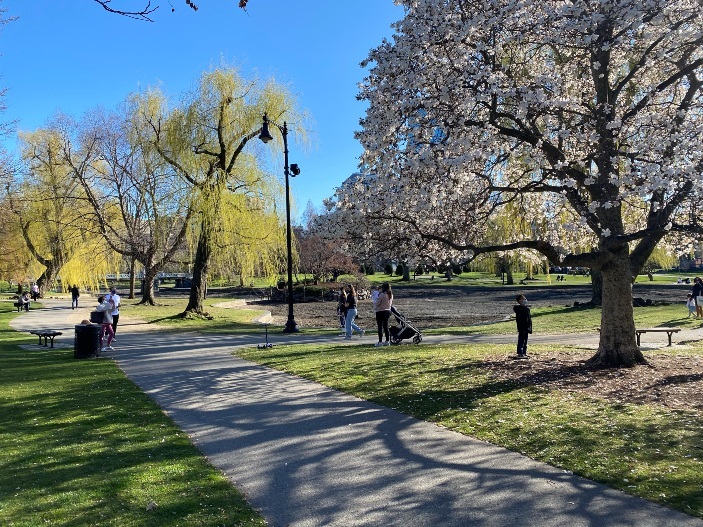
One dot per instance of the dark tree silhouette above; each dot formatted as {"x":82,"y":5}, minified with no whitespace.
{"x":145,"y":13}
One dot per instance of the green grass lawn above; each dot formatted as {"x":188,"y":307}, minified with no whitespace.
{"x":477,"y":279}
{"x":644,"y":450}
{"x":81,"y":445}
{"x":561,"y":319}
{"x":224,"y":320}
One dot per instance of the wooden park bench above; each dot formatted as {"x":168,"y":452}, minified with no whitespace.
{"x":668,"y":331}
{"x":47,"y":335}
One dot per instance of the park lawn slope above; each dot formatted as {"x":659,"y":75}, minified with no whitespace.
{"x":585,"y":319}
{"x":81,"y":445}
{"x":645,"y":450}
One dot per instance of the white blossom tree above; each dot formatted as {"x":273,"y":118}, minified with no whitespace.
{"x":586,"y":111}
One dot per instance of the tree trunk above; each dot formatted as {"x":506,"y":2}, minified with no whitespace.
{"x":132,"y":276}
{"x":201,"y":264}
{"x":47,"y":278}
{"x":148,"y":286}
{"x":596,"y":287}
{"x":618,"y":344}
{"x":406,"y":272}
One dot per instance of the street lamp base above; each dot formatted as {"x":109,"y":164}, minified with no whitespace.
{"x":291,"y":326}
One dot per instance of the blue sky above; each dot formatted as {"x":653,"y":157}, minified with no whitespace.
{"x":71,"y":55}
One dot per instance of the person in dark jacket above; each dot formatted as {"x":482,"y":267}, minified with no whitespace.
{"x":697,"y":294}
{"x":75,"y":293}
{"x":524,"y":325}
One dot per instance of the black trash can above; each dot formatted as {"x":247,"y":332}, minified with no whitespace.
{"x":87,"y":341}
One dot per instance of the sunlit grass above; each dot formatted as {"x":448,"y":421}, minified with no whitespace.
{"x":648,"y":451}
{"x":558,"y":320}
{"x":221,"y":320}
{"x":81,"y":445}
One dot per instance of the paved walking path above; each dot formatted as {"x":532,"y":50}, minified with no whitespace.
{"x":306,"y":455}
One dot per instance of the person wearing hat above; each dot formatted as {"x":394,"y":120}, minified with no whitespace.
{"x":115,"y":298}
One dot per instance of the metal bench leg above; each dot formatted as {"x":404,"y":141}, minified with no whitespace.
{"x":638,"y":338}
{"x":40,"y":340}
{"x":669,"y":333}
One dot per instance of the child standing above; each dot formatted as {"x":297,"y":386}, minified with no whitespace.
{"x":524,"y":325}
{"x":691,"y":303}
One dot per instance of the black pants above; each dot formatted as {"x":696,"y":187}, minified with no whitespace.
{"x":115,"y":319}
{"x":382,"y":318}
{"x":522,"y":342}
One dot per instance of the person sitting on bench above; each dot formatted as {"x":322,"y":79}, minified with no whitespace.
{"x":24,"y":301}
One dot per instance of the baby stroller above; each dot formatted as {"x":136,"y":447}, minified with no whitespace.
{"x":404,"y":330}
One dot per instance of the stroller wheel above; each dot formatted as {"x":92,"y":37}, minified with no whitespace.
{"x":417,"y":339}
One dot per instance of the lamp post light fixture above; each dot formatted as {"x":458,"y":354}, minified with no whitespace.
{"x":293,"y":170}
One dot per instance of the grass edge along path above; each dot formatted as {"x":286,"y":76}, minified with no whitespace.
{"x":643,"y":450}
{"x":81,"y":445}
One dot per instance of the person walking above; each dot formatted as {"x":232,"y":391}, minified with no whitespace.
{"x":115,"y":298}
{"x":35,"y":291}
{"x":342,"y":310}
{"x":524,"y":325}
{"x":697,"y":294}
{"x":350,"y":326}
{"x":383,"y":314}
{"x":106,"y":306}
{"x":75,"y":293}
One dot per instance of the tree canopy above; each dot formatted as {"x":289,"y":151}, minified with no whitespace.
{"x":584,"y":117}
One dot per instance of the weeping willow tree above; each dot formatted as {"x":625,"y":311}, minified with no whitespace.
{"x":207,"y":140}
{"x":55,"y":220}
{"x":250,"y":241}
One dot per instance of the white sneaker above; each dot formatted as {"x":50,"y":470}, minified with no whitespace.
{"x":110,"y":348}
{"x":378,"y":344}
{"x":362,"y":333}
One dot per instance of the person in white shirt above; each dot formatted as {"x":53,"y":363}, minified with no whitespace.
{"x":115,"y":298}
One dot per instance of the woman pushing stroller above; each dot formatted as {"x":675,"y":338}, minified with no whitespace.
{"x":382,"y":307}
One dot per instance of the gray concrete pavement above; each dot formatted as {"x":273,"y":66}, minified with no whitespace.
{"x":306,"y":455}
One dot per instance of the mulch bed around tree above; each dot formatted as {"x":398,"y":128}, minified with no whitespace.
{"x":672,"y":381}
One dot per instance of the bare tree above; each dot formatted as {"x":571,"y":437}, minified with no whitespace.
{"x":148,"y":9}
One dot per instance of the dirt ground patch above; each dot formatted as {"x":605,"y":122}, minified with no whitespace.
{"x":671,"y":381}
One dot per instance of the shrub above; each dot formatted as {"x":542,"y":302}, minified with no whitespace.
{"x":388,"y":269}
{"x":399,"y":270}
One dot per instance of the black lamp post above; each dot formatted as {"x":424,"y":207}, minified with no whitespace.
{"x":293,"y":170}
